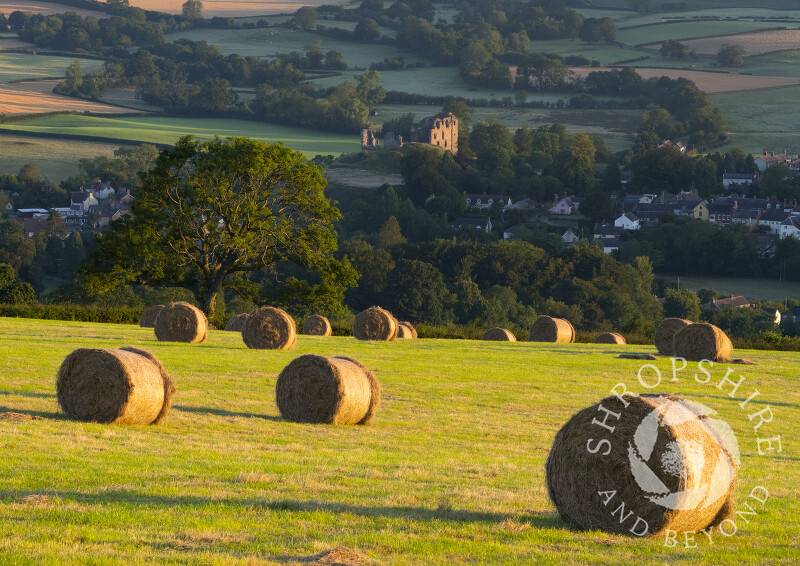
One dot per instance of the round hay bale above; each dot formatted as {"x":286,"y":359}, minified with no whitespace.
{"x":610,"y":338}
{"x":149,"y":316}
{"x":269,"y":328}
{"x":410,"y":327}
{"x":549,"y":329}
{"x":125,"y":386}
{"x":702,"y":341}
{"x":236,"y":322}
{"x":375,"y":323}
{"x":668,"y":461}
{"x":404,"y":331}
{"x":317,"y":325}
{"x":499,"y":334}
{"x":665,"y":334}
{"x":181,"y":322}
{"x":317,"y":389}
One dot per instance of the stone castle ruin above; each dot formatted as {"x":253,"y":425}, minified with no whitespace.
{"x":440,"y":130}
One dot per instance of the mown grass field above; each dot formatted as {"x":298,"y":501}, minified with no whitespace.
{"x":57,"y":159}
{"x":764,"y":289}
{"x":684,"y":30}
{"x":167,"y":130}
{"x":451,"y":472}
{"x":21,"y":66}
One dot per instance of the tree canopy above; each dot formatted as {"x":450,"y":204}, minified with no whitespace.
{"x":211,"y":214}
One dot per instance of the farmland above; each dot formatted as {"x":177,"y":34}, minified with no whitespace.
{"x":167,"y":130}
{"x":57,"y":159}
{"x":45,"y":8}
{"x":22,"y":66}
{"x":765,"y":290}
{"x":753,"y":43}
{"x":452,"y":471}
{"x":37,"y":98}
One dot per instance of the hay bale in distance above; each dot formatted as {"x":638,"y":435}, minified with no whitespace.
{"x":667,"y":461}
{"x":410,"y":328}
{"x":125,"y":386}
{"x":236,"y":322}
{"x":181,"y":322}
{"x":404,"y":331}
{"x":702,"y":341}
{"x":665,"y":334}
{"x":269,"y":328}
{"x":149,"y":316}
{"x":318,"y":389}
{"x":610,"y":338}
{"x":499,"y":334}
{"x":317,"y":325}
{"x":549,"y":329}
{"x":375,"y":323}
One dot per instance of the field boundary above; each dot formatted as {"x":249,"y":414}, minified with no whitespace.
{"x":76,"y":137}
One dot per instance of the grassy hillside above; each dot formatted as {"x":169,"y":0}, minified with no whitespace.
{"x":451,"y":472}
{"x":57,"y":159}
{"x":763,"y":289}
{"x":167,"y":130}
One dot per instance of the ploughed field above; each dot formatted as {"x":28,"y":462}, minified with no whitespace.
{"x":450,"y":472}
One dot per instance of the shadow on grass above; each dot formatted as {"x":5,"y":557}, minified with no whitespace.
{"x":28,"y":394}
{"x":41,"y":414}
{"x":444,"y":513}
{"x":224,"y":413}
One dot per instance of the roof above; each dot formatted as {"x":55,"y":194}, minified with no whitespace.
{"x":606,"y":230}
{"x":743,"y":176}
{"x":750,"y":213}
{"x":612,"y":242}
{"x":775,"y":215}
{"x":485,"y":198}
{"x":78,"y":196}
{"x":630,"y":216}
{"x":720,"y":208}
{"x":738,"y":301}
{"x":481,"y":223}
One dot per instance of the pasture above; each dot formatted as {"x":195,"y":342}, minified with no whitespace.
{"x":649,"y":34}
{"x":45,"y":8}
{"x":268,"y":42}
{"x":25,"y":66}
{"x":450,"y":472}
{"x":763,"y":289}
{"x":166,"y":130}
{"x":57,"y":159}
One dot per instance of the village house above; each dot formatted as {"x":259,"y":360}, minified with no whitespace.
{"x":747,"y":216}
{"x":101,"y":190}
{"x":483,"y":224}
{"x":569,"y":237}
{"x":484,"y":201}
{"x":738,"y":302}
{"x":774,"y":313}
{"x":764,"y":162}
{"x":736,"y":180}
{"x":84,"y":199}
{"x":628,"y":221}
{"x":669,"y":143}
{"x":773,"y":218}
{"x":565,"y":205}
{"x":790,"y":228}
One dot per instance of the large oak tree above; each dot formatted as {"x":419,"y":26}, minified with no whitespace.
{"x":210,"y":214}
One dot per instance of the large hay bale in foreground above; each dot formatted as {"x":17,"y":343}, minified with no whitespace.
{"x":702,"y":341}
{"x":125,"y":386}
{"x":410,"y":328}
{"x":317,"y":389}
{"x":269,"y":328}
{"x":549,"y":329}
{"x":149,"y":316}
{"x":236,"y":322}
{"x":317,"y":325}
{"x":181,"y":322}
{"x":499,"y":334}
{"x":375,"y":323}
{"x":610,"y":338}
{"x":667,"y":461}
{"x":665,"y":334}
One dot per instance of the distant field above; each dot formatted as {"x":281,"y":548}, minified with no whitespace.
{"x":57,"y":159}
{"x":768,"y":16}
{"x":232,"y":8}
{"x":46,"y":8}
{"x":681,"y":30}
{"x":763,"y":289}
{"x":762,"y":119}
{"x":268,"y":42}
{"x":37,"y":98}
{"x":7,"y":43}
{"x":605,"y":53}
{"x":167,"y":130}
{"x":753,"y":43}
{"x":709,"y":82}
{"x":21,"y":66}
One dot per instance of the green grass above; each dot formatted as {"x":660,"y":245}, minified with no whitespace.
{"x":451,"y":472}
{"x":19,"y":66}
{"x":686,"y":30}
{"x":267,"y":42}
{"x":168,"y":130}
{"x":761,"y":120}
{"x":57,"y":159}
{"x":763,"y":289}
{"x":605,"y":53}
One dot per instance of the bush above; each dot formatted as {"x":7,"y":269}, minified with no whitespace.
{"x":67,"y":311}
